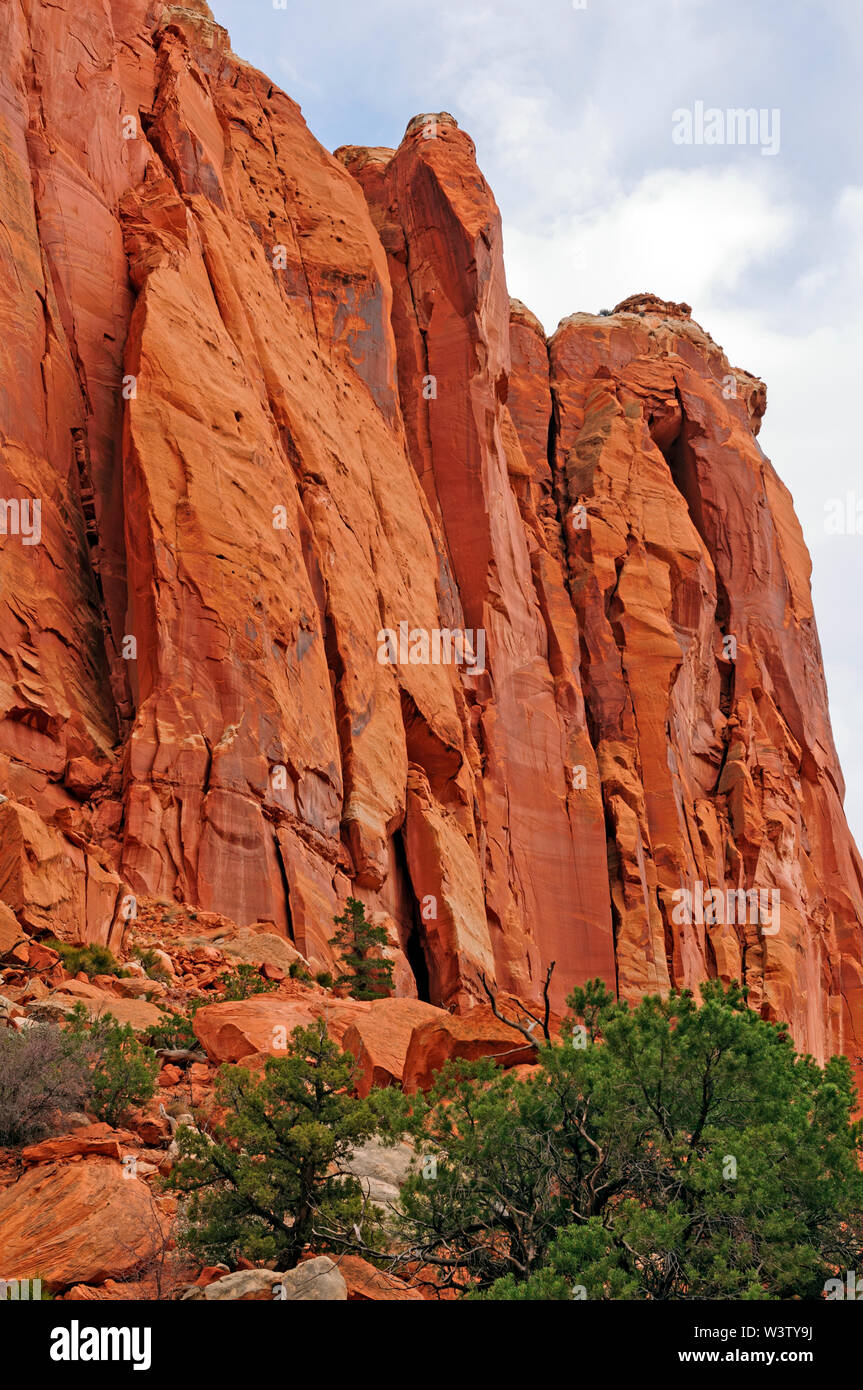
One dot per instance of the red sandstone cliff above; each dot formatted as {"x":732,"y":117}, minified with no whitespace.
{"x":274,"y":402}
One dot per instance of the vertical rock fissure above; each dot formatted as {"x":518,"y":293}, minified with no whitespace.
{"x":557,"y":495}
{"x":283,"y":872}
{"x":415,"y":942}
{"x":117,"y":674}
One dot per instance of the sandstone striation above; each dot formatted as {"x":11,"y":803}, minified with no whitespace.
{"x":80,"y":1222}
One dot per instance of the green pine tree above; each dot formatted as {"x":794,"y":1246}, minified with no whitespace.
{"x":368,"y":976}
{"x":272,"y":1179}
{"x":667,"y":1151}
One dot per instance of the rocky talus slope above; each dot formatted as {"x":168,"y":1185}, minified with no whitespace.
{"x":295,"y":451}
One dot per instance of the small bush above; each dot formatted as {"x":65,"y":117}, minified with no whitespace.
{"x":92,"y":959}
{"x":43,"y":1071}
{"x":247,"y":981}
{"x":178,"y":1032}
{"x":324,"y":978}
{"x":153,"y":967}
{"x":124,"y":1070}
{"x":298,"y":971}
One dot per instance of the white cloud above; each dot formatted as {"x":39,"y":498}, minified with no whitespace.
{"x":681,"y":234}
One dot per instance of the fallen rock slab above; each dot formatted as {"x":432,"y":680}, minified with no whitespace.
{"x":380,"y":1038}
{"x":260,"y":948}
{"x":469,"y":1036}
{"x":233,"y":1030}
{"x":95,"y":1140}
{"x":137,"y":1012}
{"x":369,"y":1285}
{"x":111,"y":1292}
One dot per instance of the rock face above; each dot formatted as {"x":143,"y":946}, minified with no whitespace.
{"x":702,"y":674}
{"x":347,"y":582}
{"x":543,"y":860}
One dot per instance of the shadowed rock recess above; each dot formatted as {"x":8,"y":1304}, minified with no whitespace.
{"x":275,"y":403}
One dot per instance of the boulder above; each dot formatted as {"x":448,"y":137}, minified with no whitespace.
{"x":470,"y":1036}
{"x":366,"y":1284}
{"x":230,"y":1031}
{"x":210,"y":1273}
{"x":78,"y":1223}
{"x":151,"y":1127}
{"x":379,"y":1039}
{"x":381,"y":1169}
{"x":34,"y":955}
{"x":314,"y":1281}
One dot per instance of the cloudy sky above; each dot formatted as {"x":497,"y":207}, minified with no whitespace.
{"x":571,"y":109}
